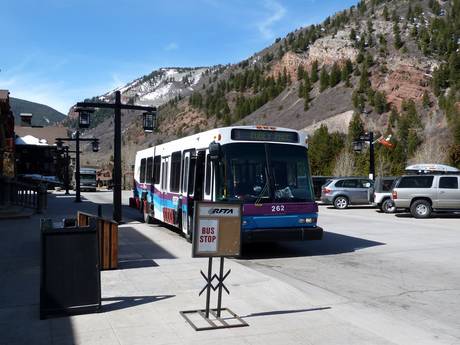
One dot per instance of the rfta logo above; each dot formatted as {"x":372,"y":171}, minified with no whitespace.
{"x":221,"y":211}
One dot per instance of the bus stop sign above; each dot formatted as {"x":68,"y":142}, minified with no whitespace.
{"x":217,"y":230}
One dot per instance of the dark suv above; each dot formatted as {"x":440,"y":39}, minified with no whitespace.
{"x":344,"y":191}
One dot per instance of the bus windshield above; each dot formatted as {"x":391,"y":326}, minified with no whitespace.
{"x":262,"y":173}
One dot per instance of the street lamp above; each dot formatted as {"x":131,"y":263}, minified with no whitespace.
{"x":358,"y":145}
{"x":84,"y":117}
{"x":95,"y":145}
{"x":76,"y":137}
{"x":64,"y":150}
{"x":149,"y":118}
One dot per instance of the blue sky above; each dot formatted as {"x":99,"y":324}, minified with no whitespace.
{"x":58,"y":52}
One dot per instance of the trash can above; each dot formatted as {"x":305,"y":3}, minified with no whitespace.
{"x":108,"y":239}
{"x":70,"y":280}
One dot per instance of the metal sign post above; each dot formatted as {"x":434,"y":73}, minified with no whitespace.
{"x":216,"y":233}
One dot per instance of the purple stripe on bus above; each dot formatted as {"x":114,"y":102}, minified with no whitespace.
{"x":268,"y":209}
{"x":271,"y":209}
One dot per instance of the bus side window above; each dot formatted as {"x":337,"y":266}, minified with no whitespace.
{"x":185,"y":172}
{"x":156,"y":169}
{"x":142,"y":175}
{"x":175,"y":171}
{"x":191,"y":177}
{"x":148,"y":177}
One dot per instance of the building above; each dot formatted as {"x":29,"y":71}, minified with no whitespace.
{"x":6,"y":136}
{"x":36,"y":152}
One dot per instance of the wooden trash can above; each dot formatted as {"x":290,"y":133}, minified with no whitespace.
{"x":108,"y":239}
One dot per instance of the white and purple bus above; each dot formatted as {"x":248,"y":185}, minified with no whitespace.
{"x":264,"y":168}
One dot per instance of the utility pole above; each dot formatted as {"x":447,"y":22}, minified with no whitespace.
{"x":371,"y":156}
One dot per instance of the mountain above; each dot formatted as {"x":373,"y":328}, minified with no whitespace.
{"x":43,"y":115}
{"x":390,"y":66}
{"x":160,"y":86}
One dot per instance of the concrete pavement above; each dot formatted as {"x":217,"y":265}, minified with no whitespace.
{"x":285,"y":300}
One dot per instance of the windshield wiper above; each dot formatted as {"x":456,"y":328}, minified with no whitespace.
{"x":262,"y":192}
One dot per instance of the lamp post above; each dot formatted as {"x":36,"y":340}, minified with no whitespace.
{"x":149,"y":117}
{"x":77,"y":139}
{"x":358,"y":147}
{"x":65,"y":151}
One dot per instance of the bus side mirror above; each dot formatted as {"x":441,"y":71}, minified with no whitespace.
{"x":214,"y":151}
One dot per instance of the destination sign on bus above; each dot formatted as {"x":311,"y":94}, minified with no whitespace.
{"x":264,"y":135}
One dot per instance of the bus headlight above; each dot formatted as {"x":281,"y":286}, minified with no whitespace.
{"x":307,"y":220}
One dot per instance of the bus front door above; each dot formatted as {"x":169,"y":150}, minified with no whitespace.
{"x":194,"y":190}
{"x":188,"y":169}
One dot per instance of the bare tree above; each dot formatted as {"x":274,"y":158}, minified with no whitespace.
{"x":344,"y":164}
{"x":430,"y":151}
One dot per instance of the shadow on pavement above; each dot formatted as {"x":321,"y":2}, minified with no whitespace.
{"x":434,"y":215}
{"x":133,"y":245}
{"x":142,"y":263}
{"x":281,"y":312}
{"x":131,"y":301}
{"x":351,"y":207}
{"x":331,"y":244}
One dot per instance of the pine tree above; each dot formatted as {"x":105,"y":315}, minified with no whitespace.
{"x":300,"y":72}
{"x":314,"y":72}
{"x":356,"y":127}
{"x":323,"y":79}
{"x":334,"y":78}
{"x":380,"y":102}
{"x":352,"y":34}
{"x":393,"y":118}
{"x":398,"y":43}
{"x":426,"y":100}
{"x":385,"y":13}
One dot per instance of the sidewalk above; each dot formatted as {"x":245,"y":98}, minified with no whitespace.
{"x":156,"y":280}
{"x":15,"y":212}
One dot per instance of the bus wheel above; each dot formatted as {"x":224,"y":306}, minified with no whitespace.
{"x":145,"y":212}
{"x":147,"y":218}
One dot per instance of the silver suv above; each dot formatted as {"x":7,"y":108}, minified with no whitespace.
{"x":344,"y":191}
{"x":423,"y":194}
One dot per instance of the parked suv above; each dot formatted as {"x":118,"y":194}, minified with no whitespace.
{"x":345,"y":191}
{"x":381,"y":194}
{"x":423,"y":194}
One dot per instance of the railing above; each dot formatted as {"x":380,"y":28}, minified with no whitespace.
{"x":28,"y":195}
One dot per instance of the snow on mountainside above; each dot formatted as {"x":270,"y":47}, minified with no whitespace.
{"x":160,"y":86}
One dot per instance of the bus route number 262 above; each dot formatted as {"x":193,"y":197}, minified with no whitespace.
{"x":277,"y":208}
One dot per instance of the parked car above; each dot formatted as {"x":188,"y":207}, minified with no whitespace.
{"x":344,"y":191}
{"x":318,"y":182}
{"x":381,"y":193}
{"x":423,"y":194}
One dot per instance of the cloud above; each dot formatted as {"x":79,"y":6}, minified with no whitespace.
{"x":171,"y":46}
{"x":277,"y":12}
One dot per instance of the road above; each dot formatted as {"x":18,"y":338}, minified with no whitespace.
{"x":395,"y":276}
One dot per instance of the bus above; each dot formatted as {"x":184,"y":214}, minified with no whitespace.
{"x":264,"y":168}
